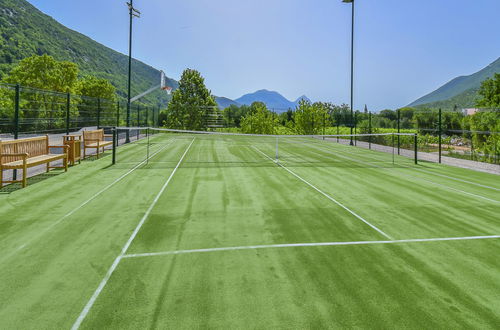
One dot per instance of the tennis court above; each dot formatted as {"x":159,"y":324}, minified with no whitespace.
{"x":220,"y":231}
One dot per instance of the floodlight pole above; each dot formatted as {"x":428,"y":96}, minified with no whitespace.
{"x":352,"y":68}
{"x":133,"y":13}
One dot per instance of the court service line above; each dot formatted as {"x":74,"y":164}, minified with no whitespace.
{"x":45,"y":230}
{"x":292,"y":245}
{"x":338,"y":153}
{"x":327,"y":196}
{"x":124,"y":249}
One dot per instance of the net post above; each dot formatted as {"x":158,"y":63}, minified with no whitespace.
{"x":115,"y":144}
{"x":370,"y":130}
{"x":392,"y":148}
{"x":440,"y":133}
{"x":399,"y":131}
{"x":415,"y":142}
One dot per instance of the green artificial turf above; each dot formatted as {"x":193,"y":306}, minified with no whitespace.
{"x":58,"y":240}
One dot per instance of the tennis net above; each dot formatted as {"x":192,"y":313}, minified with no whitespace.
{"x":159,"y":147}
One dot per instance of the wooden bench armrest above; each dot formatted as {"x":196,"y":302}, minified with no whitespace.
{"x":24,"y":155}
{"x":108,"y":135}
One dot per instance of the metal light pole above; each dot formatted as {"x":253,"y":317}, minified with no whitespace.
{"x":133,"y":13}
{"x":352,"y":67}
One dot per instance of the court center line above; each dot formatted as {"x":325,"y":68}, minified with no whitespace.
{"x":327,"y":196}
{"x":124,"y":249}
{"x":406,"y":175}
{"x":42,"y":232}
{"x":292,"y":245}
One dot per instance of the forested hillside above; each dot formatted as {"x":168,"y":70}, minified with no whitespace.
{"x":26,"y":31}
{"x":461,"y":91}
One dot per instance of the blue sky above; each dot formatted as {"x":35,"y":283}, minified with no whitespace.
{"x":403,"y":48}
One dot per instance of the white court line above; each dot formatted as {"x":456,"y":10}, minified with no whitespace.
{"x":433,"y":173}
{"x":42,"y":232}
{"x":454,"y":178}
{"x":110,"y":271}
{"x":292,"y":245}
{"x":327,"y":196}
{"x":410,"y":176}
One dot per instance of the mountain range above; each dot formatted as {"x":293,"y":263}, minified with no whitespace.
{"x":26,"y":31}
{"x":461,"y":91}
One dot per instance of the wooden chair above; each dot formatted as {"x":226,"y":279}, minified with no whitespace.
{"x":95,"y":140}
{"x":26,"y":153}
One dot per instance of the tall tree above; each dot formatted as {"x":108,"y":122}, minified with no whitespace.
{"x":190,"y":103}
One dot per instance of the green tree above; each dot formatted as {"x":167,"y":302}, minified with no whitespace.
{"x":259,"y":120}
{"x":490,"y":92}
{"x":96,"y":87}
{"x":310,"y":117}
{"x":44,"y":72}
{"x":190,"y":102}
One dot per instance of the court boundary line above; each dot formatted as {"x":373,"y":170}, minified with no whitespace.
{"x":424,"y":170}
{"x":93,"y":197}
{"x":327,"y":196}
{"x":124,"y":249}
{"x":318,"y":244}
{"x":406,"y":175}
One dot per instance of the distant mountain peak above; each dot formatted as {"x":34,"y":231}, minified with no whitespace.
{"x":273,"y":100}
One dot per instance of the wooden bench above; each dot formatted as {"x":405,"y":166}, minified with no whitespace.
{"x":95,"y":140}
{"x":26,"y":153}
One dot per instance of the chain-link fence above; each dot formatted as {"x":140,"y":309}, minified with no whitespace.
{"x":472,"y":134}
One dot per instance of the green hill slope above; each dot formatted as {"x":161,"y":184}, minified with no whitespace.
{"x":26,"y":31}
{"x":463,"y":89}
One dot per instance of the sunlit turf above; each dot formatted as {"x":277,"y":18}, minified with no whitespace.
{"x":60,"y":236}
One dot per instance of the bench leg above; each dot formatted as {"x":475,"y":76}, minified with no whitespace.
{"x":48,"y":167}
{"x":25,"y":174}
{"x":98,"y":152}
{"x":65,"y":163}
{"x":84,"y":152}
{"x":1,"y":178}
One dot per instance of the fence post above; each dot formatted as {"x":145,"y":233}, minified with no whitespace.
{"x":98,"y":113}
{"x":355,"y":128}
{"x":416,"y":148}
{"x":68,"y":106}
{"x":440,"y":133}
{"x":370,"y":130}
{"x":147,"y":117}
{"x":16,"y":120}
{"x":117,"y":113}
{"x":399,"y":130}
{"x":138,"y":116}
